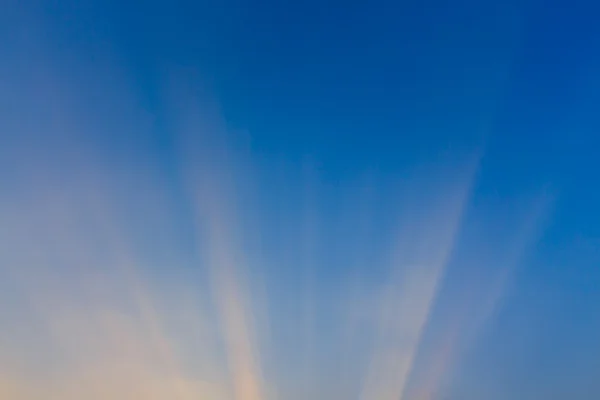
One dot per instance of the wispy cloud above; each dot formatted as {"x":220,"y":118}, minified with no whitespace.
{"x":421,"y":252}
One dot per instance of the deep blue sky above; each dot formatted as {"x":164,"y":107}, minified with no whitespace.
{"x":366,"y":91}
{"x":352,"y":83}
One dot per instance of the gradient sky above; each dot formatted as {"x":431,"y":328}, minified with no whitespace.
{"x":366,"y":200}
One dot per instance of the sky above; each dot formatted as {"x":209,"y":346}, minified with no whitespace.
{"x":268,"y":200}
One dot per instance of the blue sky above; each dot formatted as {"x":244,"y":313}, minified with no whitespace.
{"x":374,"y":200}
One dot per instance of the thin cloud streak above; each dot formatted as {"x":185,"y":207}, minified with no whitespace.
{"x":422,"y":252}
{"x":218,"y":227}
{"x":470,"y":319}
